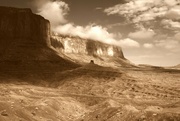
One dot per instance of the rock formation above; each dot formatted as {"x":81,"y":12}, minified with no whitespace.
{"x":84,"y":50}
{"x":84,"y":46}
{"x":24,"y":44}
{"x":21,"y":28}
{"x":23,"y":24}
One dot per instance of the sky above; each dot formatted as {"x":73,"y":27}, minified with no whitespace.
{"x":147,"y":30}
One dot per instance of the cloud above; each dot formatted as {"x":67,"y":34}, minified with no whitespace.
{"x":174,"y":13}
{"x":144,"y":34}
{"x":170,"y":24}
{"x":129,"y":43}
{"x":148,"y":45}
{"x":169,"y":44}
{"x":151,"y":14}
{"x":54,"y":11}
{"x":94,"y":32}
{"x":98,"y":8}
{"x":127,"y":9}
{"x":143,"y":10}
{"x":115,"y":25}
{"x":171,"y":2}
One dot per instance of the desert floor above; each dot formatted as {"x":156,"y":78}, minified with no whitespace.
{"x":94,"y":93}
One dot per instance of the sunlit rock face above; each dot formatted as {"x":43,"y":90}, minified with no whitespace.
{"x":78,"y":45}
{"x":84,"y":50}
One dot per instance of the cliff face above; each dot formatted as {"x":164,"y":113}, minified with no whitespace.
{"x":23,"y":24}
{"x":83,"y":46}
{"x":20,"y":32}
{"x":84,"y":50}
{"x":24,"y":44}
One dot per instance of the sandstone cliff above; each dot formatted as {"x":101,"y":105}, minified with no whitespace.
{"x":21,"y":28}
{"x":24,"y":44}
{"x":84,"y":50}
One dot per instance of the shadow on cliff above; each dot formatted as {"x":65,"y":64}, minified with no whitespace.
{"x":33,"y":69}
{"x":24,"y":47}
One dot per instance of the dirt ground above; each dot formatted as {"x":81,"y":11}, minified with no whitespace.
{"x":94,"y":93}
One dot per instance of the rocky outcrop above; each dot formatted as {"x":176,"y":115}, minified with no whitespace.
{"x":84,"y":50}
{"x":24,"y":44}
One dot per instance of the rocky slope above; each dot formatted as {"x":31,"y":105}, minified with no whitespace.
{"x":83,"y":50}
{"x":95,"y":93}
{"x":30,"y":103}
{"x":24,"y":44}
{"x":114,"y":95}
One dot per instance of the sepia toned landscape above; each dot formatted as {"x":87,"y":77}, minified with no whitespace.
{"x":46,"y":75}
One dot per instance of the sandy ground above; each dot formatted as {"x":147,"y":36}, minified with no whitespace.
{"x":94,"y":93}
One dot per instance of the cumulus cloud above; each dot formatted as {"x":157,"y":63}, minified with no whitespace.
{"x":144,"y":34}
{"x":94,"y":32}
{"x":148,"y":45}
{"x":129,"y":43}
{"x":54,"y":11}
